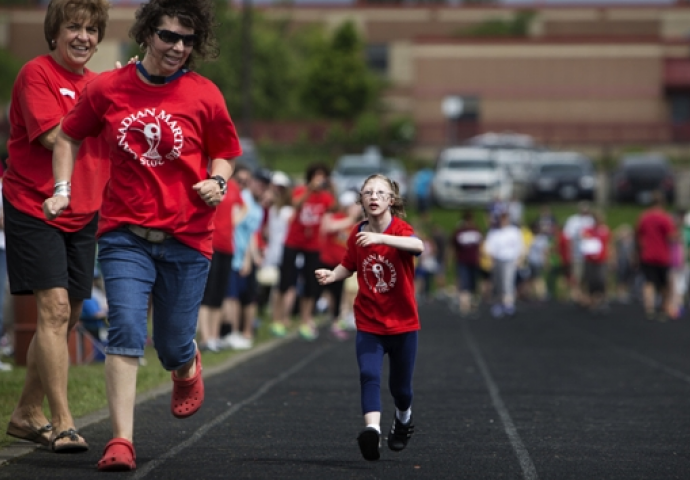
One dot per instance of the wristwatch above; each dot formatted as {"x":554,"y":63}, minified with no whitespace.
{"x":221,"y":183}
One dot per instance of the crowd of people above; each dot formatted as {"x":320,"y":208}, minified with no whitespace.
{"x":498,"y":259}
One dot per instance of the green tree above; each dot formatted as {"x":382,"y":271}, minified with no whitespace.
{"x":518,"y":26}
{"x":338,"y":84}
{"x":9,"y":68}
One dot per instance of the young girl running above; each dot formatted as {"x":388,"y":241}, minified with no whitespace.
{"x":381,"y":250}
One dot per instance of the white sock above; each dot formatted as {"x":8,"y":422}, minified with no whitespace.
{"x":404,"y":417}
{"x":375,"y":427}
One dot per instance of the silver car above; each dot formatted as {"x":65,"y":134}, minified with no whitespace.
{"x":350,"y":171}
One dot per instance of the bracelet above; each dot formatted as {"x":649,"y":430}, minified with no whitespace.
{"x":62,"y":189}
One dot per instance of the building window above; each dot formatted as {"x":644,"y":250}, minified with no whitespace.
{"x":377,"y":58}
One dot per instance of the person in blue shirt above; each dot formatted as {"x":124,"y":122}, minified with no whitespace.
{"x":421,"y":185}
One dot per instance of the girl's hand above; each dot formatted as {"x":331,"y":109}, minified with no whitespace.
{"x":364,"y":239}
{"x":324,"y":276}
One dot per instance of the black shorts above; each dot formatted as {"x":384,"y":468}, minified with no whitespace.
{"x":594,"y":277}
{"x":657,"y":275}
{"x":217,"y":281}
{"x":41,"y":257}
{"x":289,"y":272}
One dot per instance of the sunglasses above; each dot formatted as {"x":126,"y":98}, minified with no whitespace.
{"x":173,"y":37}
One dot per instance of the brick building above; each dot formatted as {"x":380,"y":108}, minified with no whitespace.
{"x":579,"y":74}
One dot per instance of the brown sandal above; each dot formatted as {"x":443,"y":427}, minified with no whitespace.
{"x":31,"y":434}
{"x":74,"y":445}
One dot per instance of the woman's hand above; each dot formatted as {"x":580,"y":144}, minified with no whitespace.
{"x":54,"y":206}
{"x":209,"y":191}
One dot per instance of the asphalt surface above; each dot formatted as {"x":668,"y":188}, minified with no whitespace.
{"x":554,"y":393}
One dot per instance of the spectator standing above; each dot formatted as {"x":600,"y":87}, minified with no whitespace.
{"x":625,"y":253}
{"x":538,"y":262}
{"x":678,"y":272}
{"x":170,"y":162}
{"x":421,"y":185}
{"x":466,"y":241}
{"x":654,"y":232}
{"x":311,"y":202}
{"x":572,"y":229}
{"x":53,"y":259}
{"x":595,"y":246}
{"x":229,"y":212}
{"x":242,"y":287}
{"x":381,"y":249}
{"x":505,"y":247}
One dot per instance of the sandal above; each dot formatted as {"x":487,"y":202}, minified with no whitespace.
{"x":118,"y":456}
{"x":188,"y":393}
{"x":73,"y":446}
{"x":31,"y":434}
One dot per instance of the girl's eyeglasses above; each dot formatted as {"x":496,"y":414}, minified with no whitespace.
{"x":381,"y":195}
{"x":173,"y":37}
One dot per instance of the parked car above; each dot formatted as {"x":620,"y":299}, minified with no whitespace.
{"x":469,"y":176}
{"x":639,"y":175}
{"x":350,"y":171}
{"x":562,"y":176}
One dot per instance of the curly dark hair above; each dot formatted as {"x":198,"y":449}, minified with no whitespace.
{"x":195,"y":14}
{"x":60,"y":11}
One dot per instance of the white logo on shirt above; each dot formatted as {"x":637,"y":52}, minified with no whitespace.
{"x":66,"y":92}
{"x":151,"y":132}
{"x":379,"y":273}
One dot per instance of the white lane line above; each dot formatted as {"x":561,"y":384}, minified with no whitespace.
{"x":529,"y":472}
{"x":201,"y":431}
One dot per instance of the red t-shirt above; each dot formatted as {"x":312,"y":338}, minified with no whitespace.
{"x":467,"y":241}
{"x":595,"y":243}
{"x":43,"y":93}
{"x":334,"y":244}
{"x":161,"y":141}
{"x":304,"y":230}
{"x":385,"y":303}
{"x":223,"y":232}
{"x":654,"y":230}
{"x":564,"y":249}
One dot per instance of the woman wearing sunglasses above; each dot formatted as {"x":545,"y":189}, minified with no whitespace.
{"x":172,"y":145}
{"x":54,"y":259}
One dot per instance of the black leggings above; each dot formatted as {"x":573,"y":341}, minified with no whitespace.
{"x":289,"y":272}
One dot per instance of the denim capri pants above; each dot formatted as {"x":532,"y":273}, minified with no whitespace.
{"x":173,"y":274}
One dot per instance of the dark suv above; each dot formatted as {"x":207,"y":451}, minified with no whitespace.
{"x":639,"y":175}
{"x":561,"y":176}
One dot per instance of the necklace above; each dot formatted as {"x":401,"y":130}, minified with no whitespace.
{"x":160,"y":79}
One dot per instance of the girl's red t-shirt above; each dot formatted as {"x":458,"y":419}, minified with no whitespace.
{"x":161,"y":140}
{"x":305,"y":229}
{"x":385,"y":303}
{"x":224,"y":229}
{"x":43,"y":93}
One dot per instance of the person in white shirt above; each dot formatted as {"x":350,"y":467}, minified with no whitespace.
{"x":505,"y":246}
{"x":573,"y":228}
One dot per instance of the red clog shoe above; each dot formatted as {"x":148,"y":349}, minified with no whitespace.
{"x":188,"y":393}
{"x":118,"y":456}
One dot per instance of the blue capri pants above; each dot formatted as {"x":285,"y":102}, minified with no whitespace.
{"x":402,"y":352}
{"x":175,"y":277}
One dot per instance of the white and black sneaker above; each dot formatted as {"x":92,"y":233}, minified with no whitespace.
{"x":369,"y":441}
{"x":400,"y":434}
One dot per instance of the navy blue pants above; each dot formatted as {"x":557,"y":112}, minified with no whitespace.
{"x":402,"y":352}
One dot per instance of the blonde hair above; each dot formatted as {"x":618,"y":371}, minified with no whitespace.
{"x":398,"y":207}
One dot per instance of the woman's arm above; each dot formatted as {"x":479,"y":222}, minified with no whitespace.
{"x":64,"y":156}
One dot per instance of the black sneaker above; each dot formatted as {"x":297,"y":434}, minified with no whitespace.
{"x":400,"y":434}
{"x":369,"y":440}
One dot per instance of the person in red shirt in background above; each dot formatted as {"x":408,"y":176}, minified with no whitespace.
{"x":170,"y":160}
{"x":335,"y":231}
{"x":595,"y":245}
{"x":228,"y":213}
{"x":311,"y":202}
{"x":467,"y":240}
{"x":53,"y":259}
{"x":654,"y":232}
{"x":381,"y":249}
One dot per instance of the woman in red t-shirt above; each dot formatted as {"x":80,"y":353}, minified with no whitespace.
{"x":311,"y":202}
{"x":52,"y":259}
{"x":381,"y":250}
{"x":171,"y":158}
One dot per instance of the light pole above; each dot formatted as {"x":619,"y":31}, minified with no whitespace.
{"x":452,"y":107}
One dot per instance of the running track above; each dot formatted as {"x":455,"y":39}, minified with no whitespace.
{"x":553,"y":393}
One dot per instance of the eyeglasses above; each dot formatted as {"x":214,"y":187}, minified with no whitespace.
{"x":173,"y":37}
{"x":379,"y":194}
